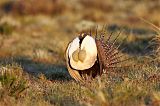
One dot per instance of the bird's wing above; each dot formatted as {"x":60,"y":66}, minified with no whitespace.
{"x":74,"y":73}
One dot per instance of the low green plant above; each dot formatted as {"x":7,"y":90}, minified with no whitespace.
{"x":12,"y":82}
{"x":6,"y":29}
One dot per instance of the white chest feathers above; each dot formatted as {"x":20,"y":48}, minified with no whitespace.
{"x":82,"y":53}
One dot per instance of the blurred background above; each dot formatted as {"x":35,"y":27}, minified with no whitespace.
{"x":40,"y":30}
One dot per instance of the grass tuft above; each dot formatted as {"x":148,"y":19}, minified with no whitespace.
{"x":12,"y":81}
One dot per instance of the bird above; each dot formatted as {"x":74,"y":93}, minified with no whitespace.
{"x":89,"y":56}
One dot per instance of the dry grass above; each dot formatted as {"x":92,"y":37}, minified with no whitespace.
{"x":26,"y":7}
{"x":33,"y":41}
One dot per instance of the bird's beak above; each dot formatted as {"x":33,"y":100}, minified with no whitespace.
{"x":79,"y":55}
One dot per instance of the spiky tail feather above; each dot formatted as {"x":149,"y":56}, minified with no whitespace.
{"x":108,"y":54}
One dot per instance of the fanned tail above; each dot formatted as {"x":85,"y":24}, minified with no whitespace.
{"x":108,"y":52}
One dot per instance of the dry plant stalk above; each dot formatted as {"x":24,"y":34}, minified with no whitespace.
{"x":156,"y":40}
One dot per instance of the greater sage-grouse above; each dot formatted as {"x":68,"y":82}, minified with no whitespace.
{"x":90,"y":56}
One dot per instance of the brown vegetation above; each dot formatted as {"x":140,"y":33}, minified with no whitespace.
{"x":34,"y":35}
